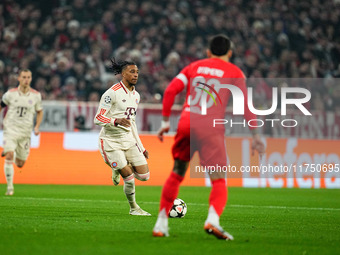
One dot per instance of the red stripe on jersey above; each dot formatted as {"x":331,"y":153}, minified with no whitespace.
{"x":34,"y":91}
{"x":115,"y":87}
{"x":103,"y":119}
{"x":138,"y":148}
{"x":123,"y":87}
{"x":104,"y":153}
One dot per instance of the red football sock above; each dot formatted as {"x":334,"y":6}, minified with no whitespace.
{"x":218,"y":195}
{"x":170,"y":191}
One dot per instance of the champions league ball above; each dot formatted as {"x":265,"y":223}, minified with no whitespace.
{"x":179,"y":209}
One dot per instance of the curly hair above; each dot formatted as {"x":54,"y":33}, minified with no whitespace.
{"x":118,"y":66}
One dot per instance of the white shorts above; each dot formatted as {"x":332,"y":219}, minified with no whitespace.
{"x":20,"y":145}
{"x":118,"y":157}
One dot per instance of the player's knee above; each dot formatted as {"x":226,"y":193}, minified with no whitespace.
{"x":9,"y":155}
{"x":180,"y":167}
{"x":142,"y":177}
{"x":217,"y":175}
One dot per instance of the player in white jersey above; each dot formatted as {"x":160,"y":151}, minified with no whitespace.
{"x":22,"y":104}
{"x":119,"y":142}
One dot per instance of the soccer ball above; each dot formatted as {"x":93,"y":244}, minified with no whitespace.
{"x":179,"y":209}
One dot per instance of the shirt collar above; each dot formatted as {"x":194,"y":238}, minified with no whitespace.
{"x":125,"y":88}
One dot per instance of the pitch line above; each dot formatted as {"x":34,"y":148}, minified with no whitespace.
{"x":193,"y":204}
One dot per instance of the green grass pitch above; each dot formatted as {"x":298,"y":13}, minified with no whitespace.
{"x":52,"y":219}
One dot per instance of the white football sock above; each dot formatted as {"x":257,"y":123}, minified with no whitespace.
{"x":9,"y":173}
{"x":213,"y":217}
{"x":129,"y":190}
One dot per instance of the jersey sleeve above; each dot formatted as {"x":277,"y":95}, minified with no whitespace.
{"x":174,"y":88}
{"x":134,"y":130}
{"x":107,"y":100}
{"x":248,"y":115}
{"x":6,"y":98}
{"x":38,"y":106}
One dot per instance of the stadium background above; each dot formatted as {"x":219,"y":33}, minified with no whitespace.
{"x":68,"y":44}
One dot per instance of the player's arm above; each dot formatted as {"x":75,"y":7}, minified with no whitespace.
{"x":257,"y":144}
{"x":39,"y":119}
{"x":105,"y":104}
{"x":39,"y":116}
{"x":4,"y":101}
{"x":174,"y":88}
{"x":137,"y":138}
{"x":2,"y":105}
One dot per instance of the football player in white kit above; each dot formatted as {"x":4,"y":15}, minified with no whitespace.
{"x":22,"y":104}
{"x":119,"y":142}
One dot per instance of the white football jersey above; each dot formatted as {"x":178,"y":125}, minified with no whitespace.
{"x":21,"y":109}
{"x":116,"y":102}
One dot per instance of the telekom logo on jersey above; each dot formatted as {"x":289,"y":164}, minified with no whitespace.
{"x":238,"y":101}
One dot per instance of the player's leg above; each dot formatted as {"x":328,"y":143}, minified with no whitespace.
{"x":130,"y":191}
{"x":138,"y":162}
{"x":22,"y":151}
{"x":9,"y":172}
{"x":115,"y":177}
{"x":181,"y":154}
{"x":115,"y":158}
{"x":172,"y":184}
{"x":217,"y":202}
{"x":106,"y":149}
{"x":212,"y":153}
{"x":16,"y":151}
{"x":140,"y":170}
{"x":169,"y":194}
{"x":10,"y":145}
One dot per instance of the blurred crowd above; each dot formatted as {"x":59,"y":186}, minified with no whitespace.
{"x":68,"y":44}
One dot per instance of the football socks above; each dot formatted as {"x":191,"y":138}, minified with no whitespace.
{"x":170,"y":191}
{"x":129,"y":190}
{"x":142,"y":177}
{"x":9,"y":173}
{"x":218,"y":195}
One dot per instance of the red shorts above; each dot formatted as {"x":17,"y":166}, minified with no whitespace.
{"x":210,"y":145}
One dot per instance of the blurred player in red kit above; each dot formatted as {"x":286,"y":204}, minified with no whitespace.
{"x":195,"y":134}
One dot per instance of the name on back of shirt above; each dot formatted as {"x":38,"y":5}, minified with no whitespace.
{"x":210,"y":71}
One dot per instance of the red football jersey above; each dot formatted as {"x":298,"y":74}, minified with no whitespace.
{"x":201,"y":77}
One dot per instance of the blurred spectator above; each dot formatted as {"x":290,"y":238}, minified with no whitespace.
{"x":79,"y":124}
{"x":67,"y":44}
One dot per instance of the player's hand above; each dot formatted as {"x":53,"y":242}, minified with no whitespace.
{"x":161,"y":132}
{"x":257,"y":145}
{"x":36,"y":131}
{"x":146,"y":154}
{"x":123,"y":122}
{"x":165,"y":127}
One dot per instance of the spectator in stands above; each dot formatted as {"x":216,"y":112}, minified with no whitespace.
{"x":275,"y":39}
